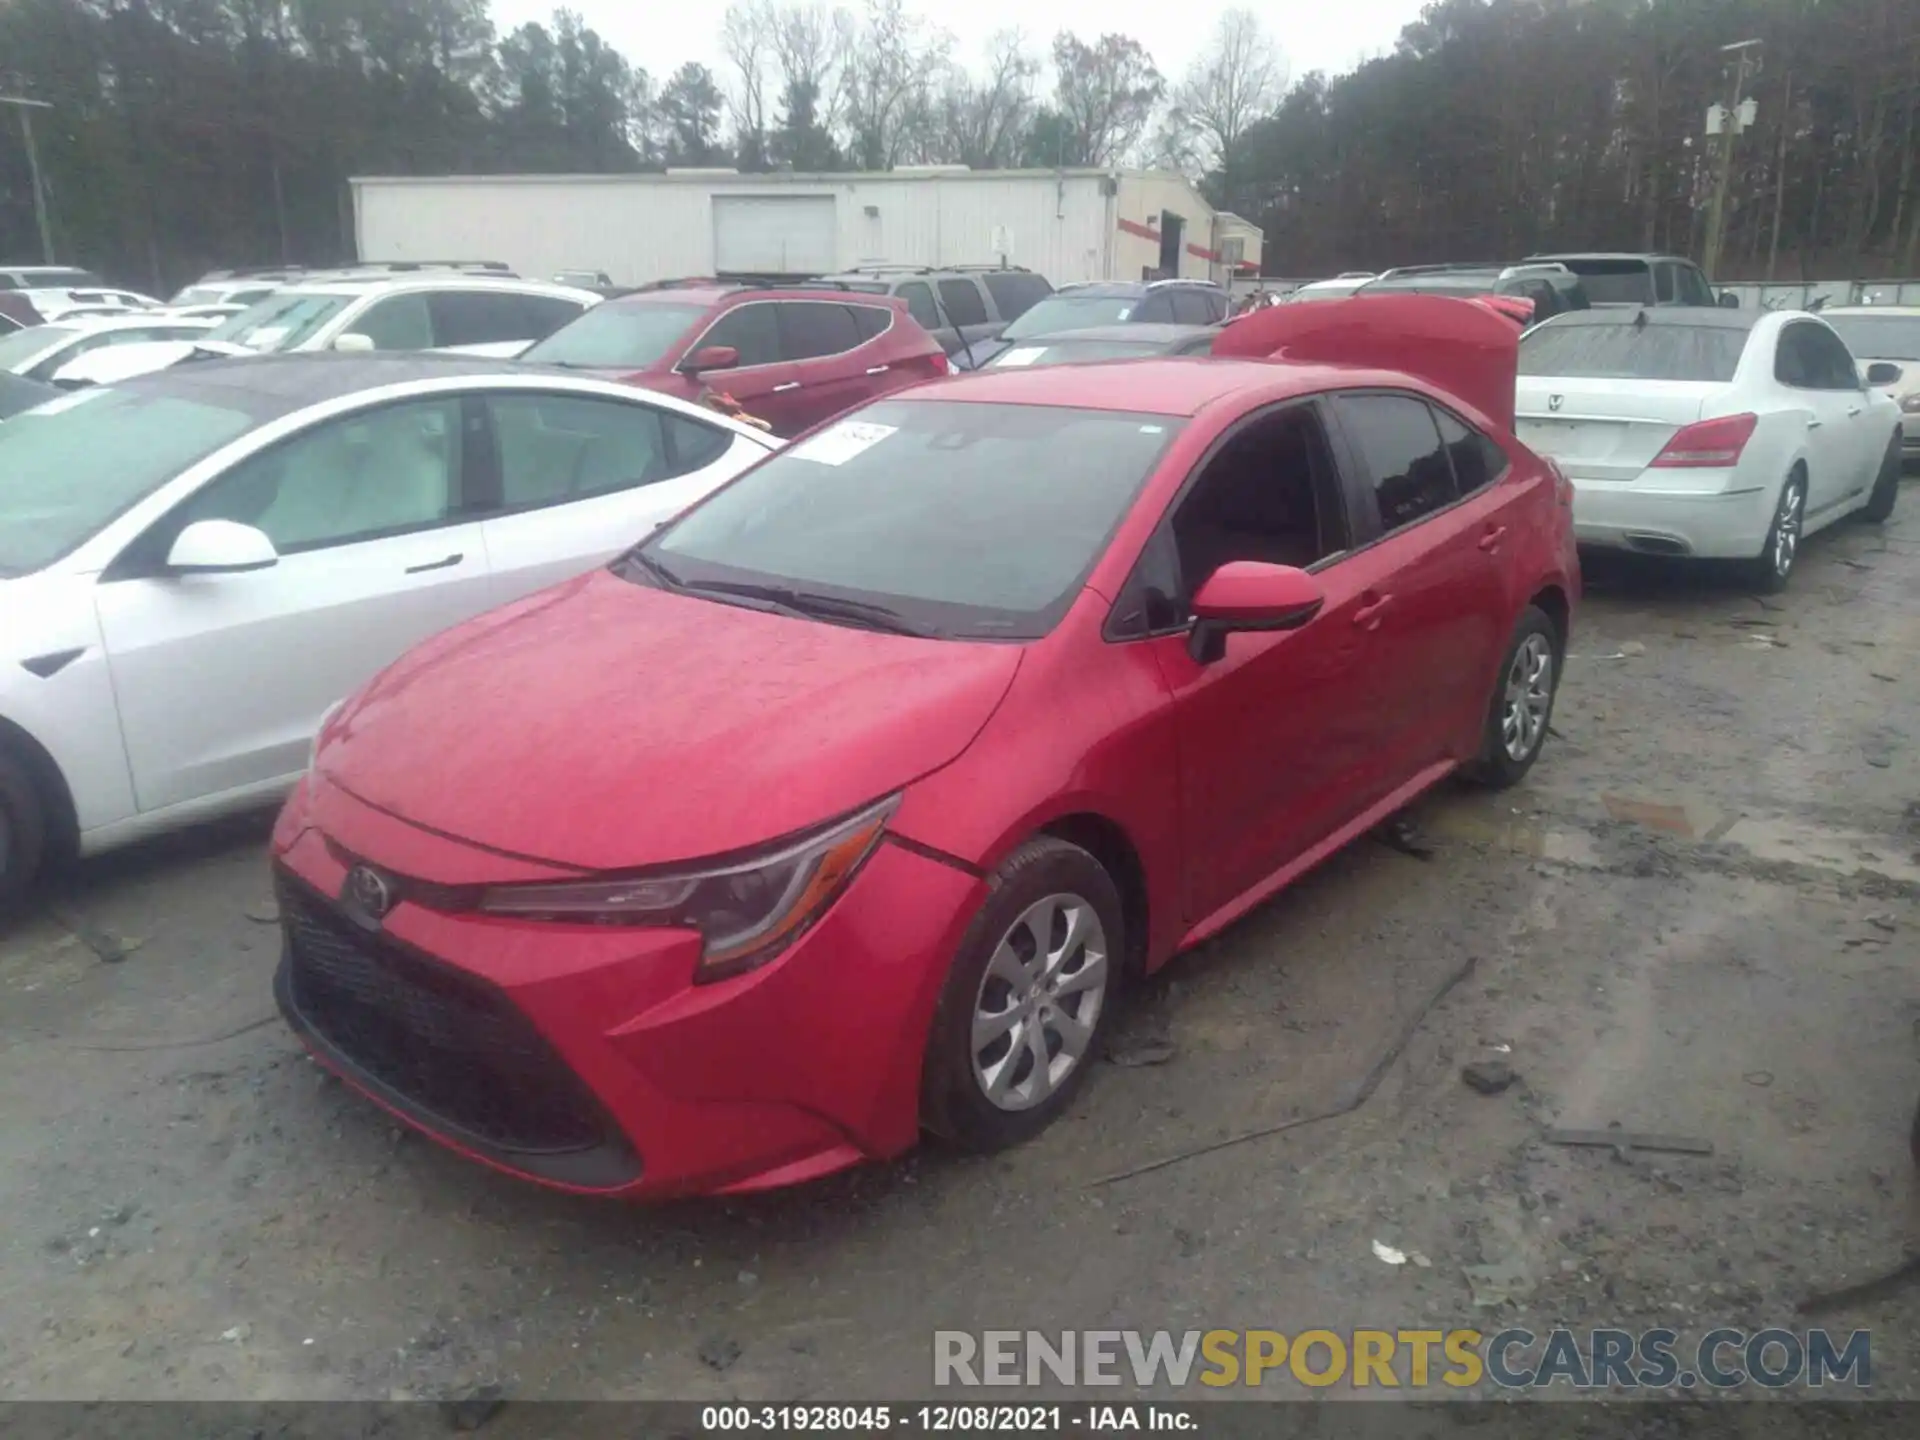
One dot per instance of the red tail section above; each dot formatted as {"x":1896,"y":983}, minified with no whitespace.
{"x":1462,"y":347}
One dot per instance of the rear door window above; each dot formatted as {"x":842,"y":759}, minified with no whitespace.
{"x":478,"y":317}
{"x":1190,"y":308}
{"x":399,"y":322}
{"x":1615,"y":282}
{"x":1405,"y":460}
{"x":872,"y":320}
{"x":963,"y":302}
{"x":919,"y":297}
{"x":1477,"y":460}
{"x":1157,"y":308}
{"x":810,"y":329}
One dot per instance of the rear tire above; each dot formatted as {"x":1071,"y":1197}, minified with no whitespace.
{"x":1036,"y":976}
{"x":1769,"y":571}
{"x":1521,"y":708}
{"x":23,"y":831}
{"x":1886,"y":487}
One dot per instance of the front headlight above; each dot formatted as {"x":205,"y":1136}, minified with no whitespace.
{"x":746,"y":912}
{"x":313,"y":750}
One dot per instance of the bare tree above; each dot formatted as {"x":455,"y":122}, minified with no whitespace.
{"x":747,"y":37}
{"x":809,"y":44}
{"x":1237,"y":82}
{"x":1106,"y":94}
{"x":887,"y":81}
{"x":982,"y":123}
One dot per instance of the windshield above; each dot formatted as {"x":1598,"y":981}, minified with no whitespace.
{"x":629,"y":336}
{"x":19,"y":348}
{"x":76,"y":463}
{"x":969,"y":520}
{"x":1071,"y":312}
{"x":280,"y":322}
{"x":1879,"y":337}
{"x":1615,"y":282}
{"x":1633,"y":352}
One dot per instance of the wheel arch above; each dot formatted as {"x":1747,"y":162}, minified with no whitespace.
{"x":63,"y":819}
{"x":1108,"y":842}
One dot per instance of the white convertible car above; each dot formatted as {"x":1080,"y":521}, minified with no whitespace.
{"x":197,"y":564}
{"x":1727,"y":434}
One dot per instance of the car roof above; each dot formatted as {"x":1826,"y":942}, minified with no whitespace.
{"x":430,"y":280}
{"x":1146,"y":333}
{"x":1176,"y":385}
{"x":123,"y":320}
{"x":1564,"y":255}
{"x":1694,"y":317}
{"x":289,"y":382}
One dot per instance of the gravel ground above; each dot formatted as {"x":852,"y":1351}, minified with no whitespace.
{"x":1698,"y":918}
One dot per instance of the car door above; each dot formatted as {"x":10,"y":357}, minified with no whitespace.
{"x":820,"y":339}
{"x":222,"y":679}
{"x":1861,"y":440}
{"x":761,"y":379}
{"x":1435,"y":591}
{"x":572,"y":480}
{"x":1831,"y":443}
{"x":1272,"y":737}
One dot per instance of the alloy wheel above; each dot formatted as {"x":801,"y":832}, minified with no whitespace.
{"x":1529,"y":696}
{"x":1786,"y":528}
{"x":1038,"y":1002}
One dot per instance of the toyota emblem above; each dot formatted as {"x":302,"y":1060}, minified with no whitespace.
{"x":370,"y":891}
{"x":1554,"y":401}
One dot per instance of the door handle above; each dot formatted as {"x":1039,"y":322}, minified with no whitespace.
{"x":1854,"y":411}
{"x":882,"y":369}
{"x":1490,"y":541}
{"x":1368,"y":616}
{"x":446,"y":564}
{"x":1813,"y":424}
{"x":790,"y":385}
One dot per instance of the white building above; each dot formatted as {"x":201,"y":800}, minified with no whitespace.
{"x":1066,"y":224}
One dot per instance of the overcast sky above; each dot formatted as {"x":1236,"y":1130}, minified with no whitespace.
{"x":1331,"y":35}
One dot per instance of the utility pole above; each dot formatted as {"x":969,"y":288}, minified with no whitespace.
{"x":26,"y":108}
{"x":1729,"y":123}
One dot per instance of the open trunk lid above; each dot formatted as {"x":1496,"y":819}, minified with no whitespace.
{"x":1602,"y":429}
{"x":1459,"y":346}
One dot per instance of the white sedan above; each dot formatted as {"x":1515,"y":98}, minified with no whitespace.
{"x":195,"y":565}
{"x":1727,"y":434}
{"x":40,"y":352}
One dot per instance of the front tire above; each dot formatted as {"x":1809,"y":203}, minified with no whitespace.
{"x":1886,"y":487}
{"x":1773,"y":567}
{"x":23,"y":831}
{"x":1522,"y":703}
{"x":1021,"y":1015}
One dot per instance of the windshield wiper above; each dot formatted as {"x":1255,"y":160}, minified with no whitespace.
{"x":811,"y":605}
{"x":624,"y":566}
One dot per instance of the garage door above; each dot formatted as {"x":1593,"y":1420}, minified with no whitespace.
{"x":774,"y":234}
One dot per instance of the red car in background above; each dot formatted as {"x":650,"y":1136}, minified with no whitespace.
{"x":842,"y":805}
{"x":792,"y":356}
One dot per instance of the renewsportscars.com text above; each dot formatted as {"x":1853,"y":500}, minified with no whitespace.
{"x":1599,"y":1359}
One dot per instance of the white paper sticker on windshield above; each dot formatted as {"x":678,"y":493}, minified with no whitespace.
{"x":1124,"y":313}
{"x":67,"y":402}
{"x":1022,"y":355}
{"x":844,"y":441}
{"x":266,"y":337}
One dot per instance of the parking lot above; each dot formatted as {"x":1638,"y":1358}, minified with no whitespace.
{"x":1697,"y":918}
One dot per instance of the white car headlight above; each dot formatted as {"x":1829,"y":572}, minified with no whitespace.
{"x":313,"y":750}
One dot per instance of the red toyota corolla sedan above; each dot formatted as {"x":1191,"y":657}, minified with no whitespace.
{"x":843,"y":805}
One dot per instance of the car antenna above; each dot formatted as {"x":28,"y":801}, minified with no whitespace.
{"x":1640,"y":318}
{"x":940,"y":308}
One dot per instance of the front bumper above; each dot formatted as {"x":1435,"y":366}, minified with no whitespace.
{"x":1705,"y":522}
{"x":584,"y":1057}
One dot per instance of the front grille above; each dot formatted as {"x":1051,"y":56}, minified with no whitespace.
{"x":451,"y":1047}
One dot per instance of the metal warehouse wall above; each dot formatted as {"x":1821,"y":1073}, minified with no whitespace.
{"x":638,"y":228}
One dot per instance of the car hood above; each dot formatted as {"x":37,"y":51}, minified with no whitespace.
{"x":604,"y":724}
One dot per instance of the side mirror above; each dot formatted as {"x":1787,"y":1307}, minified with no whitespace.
{"x":220,"y":547}
{"x":1729,"y":300}
{"x":710,"y":357}
{"x":1882,"y":372}
{"x":1250,"y":595}
{"x":354,"y":343}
